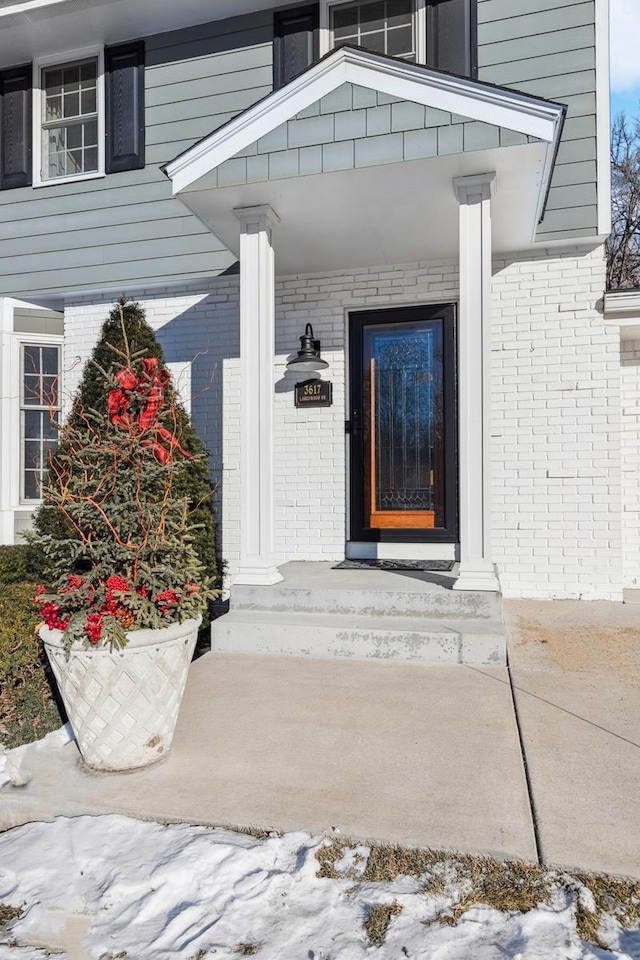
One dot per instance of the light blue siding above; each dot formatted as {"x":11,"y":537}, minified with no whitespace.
{"x":547,"y":48}
{"x":319,"y":141}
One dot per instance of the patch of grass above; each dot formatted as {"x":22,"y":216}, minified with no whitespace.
{"x":327,"y":855}
{"x":7,"y":913}
{"x":613,"y":896}
{"x":466,"y":881}
{"x":247,"y":949}
{"x":27,"y":708}
{"x":378,"y":920}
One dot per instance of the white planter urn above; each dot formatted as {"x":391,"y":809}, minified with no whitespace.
{"x":123,"y":704}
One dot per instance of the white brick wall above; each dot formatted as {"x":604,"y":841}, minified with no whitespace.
{"x":556,"y":410}
{"x":556,"y":426}
{"x":630,"y":371}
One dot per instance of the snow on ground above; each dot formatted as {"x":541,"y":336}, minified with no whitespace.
{"x":100,"y":888}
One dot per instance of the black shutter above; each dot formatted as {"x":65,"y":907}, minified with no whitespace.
{"x":15,"y":127}
{"x":295,"y":43}
{"x":451,"y":36}
{"x":124,"y":89}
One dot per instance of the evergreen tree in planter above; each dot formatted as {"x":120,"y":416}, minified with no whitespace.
{"x":126,"y":522}
{"x":124,"y":334}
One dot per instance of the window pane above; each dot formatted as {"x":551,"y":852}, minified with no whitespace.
{"x":91,"y":160}
{"x":88,"y":72}
{"x":32,"y":424}
{"x":400,"y":41}
{"x":32,"y":455}
{"x":31,"y":359}
{"x":72,"y":105}
{"x":399,"y":12}
{"x":31,"y":485}
{"x":53,"y":81}
{"x":90,"y":133}
{"x":372,"y":16}
{"x":74,"y":136}
{"x":50,"y":360}
{"x":53,"y":108}
{"x":373,"y":41}
{"x":32,"y":391}
{"x":88,"y":101}
{"x":71,"y":78}
{"x":345,"y":18}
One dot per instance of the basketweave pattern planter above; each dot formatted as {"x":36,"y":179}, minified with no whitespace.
{"x":123,"y":704}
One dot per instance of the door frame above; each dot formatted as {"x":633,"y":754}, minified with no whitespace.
{"x":356,"y":321}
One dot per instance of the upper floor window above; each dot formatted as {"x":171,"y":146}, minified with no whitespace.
{"x":71,"y":120}
{"x":393,"y":27}
{"x":88,"y":117}
{"x":40,"y":409}
{"x":383,"y":26}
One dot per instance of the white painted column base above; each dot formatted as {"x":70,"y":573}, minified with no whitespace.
{"x":258,"y":576}
{"x":478,"y":575}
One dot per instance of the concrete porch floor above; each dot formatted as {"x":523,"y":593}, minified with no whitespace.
{"x":415,"y":753}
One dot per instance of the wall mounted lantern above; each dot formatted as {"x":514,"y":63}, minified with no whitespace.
{"x":308,"y":357}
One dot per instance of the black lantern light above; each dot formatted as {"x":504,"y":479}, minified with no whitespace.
{"x":308,"y":357}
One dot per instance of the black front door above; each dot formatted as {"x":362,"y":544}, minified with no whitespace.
{"x":402,"y":425}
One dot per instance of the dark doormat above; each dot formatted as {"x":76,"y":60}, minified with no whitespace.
{"x":426,"y":566}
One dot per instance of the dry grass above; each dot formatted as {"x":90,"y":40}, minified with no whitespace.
{"x":467,"y":881}
{"x":248,"y":949}
{"x":378,"y":920}
{"x":7,"y":913}
{"x":616,"y":897}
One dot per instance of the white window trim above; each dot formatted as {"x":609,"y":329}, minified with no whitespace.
{"x":22,"y":340}
{"x":326,"y":44}
{"x":38,"y":65}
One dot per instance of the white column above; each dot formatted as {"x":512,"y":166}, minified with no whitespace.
{"x":474,"y":194}
{"x":257,"y":353}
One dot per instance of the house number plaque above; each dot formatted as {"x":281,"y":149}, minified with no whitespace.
{"x":314,"y":393}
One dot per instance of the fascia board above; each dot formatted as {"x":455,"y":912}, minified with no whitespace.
{"x":493,"y":105}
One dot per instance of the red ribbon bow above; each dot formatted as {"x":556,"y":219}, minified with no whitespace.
{"x":151,"y":385}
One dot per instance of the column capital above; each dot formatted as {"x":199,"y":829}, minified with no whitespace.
{"x":262,"y":213}
{"x":481,"y":185}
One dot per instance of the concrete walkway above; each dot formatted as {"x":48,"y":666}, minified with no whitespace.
{"x":414,"y":753}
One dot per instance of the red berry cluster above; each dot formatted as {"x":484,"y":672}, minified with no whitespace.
{"x":52,"y":614}
{"x":93,"y":627}
{"x":167,"y":601}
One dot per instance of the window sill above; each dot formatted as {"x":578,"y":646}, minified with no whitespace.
{"x":55,"y":181}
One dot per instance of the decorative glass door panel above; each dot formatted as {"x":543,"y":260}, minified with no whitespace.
{"x":403,"y":424}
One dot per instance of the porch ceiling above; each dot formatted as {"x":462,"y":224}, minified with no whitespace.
{"x":393,"y":213}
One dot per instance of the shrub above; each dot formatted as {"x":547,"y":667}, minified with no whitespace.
{"x":125,"y":338}
{"x":27,"y":708}
{"x":19,"y":563}
{"x":117,"y":520}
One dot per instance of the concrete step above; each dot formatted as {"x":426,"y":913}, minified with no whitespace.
{"x":430,"y":640}
{"x":413,"y":598}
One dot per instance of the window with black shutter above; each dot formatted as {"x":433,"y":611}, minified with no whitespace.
{"x":295,"y":43}
{"x":89,"y":117}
